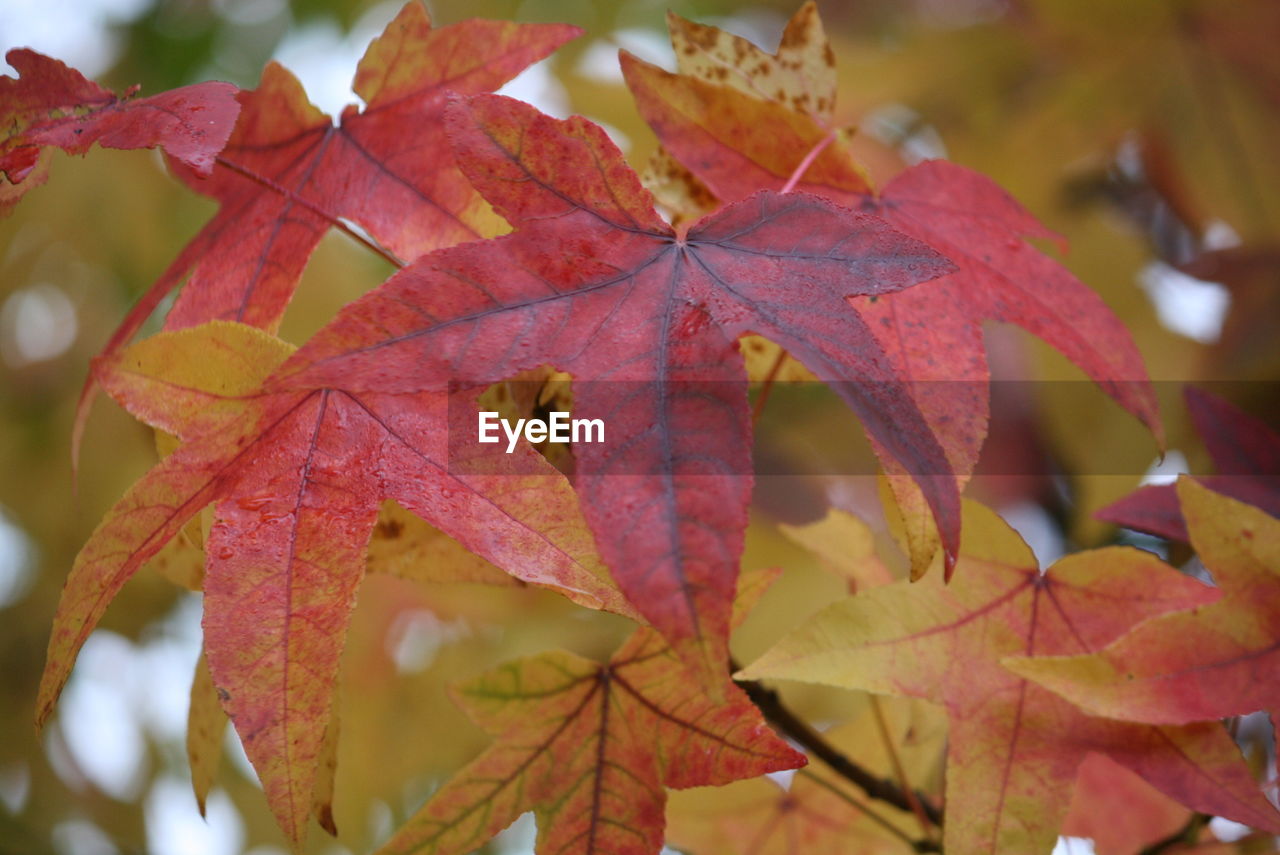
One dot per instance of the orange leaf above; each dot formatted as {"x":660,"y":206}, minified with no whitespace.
{"x":801,"y":75}
{"x":714,"y":130}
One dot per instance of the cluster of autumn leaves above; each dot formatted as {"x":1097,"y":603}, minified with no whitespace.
{"x":775,"y":231}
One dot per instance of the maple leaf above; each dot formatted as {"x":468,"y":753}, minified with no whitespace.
{"x":1219,"y":660}
{"x":802,"y":74}
{"x":589,"y":748}
{"x":1245,"y":451}
{"x":297,"y":480}
{"x":50,"y":104}
{"x":1014,"y":747}
{"x":402,"y":545}
{"x":710,"y":123}
{"x":289,"y":173}
{"x":594,"y":283}
{"x":761,"y":817}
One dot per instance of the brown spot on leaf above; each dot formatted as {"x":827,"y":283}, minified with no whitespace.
{"x":389,"y":529}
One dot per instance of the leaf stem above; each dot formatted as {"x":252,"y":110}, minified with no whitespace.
{"x":766,"y":386}
{"x":808,"y":161}
{"x":799,"y":730}
{"x":332,"y":220}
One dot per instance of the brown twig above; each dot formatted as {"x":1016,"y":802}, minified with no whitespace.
{"x":926,"y":845}
{"x":799,"y":730}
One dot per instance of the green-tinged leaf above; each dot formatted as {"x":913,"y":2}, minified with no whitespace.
{"x":1216,"y":661}
{"x":589,"y":748}
{"x":1013,"y":747}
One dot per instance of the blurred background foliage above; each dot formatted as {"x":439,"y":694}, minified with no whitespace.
{"x":1143,"y":131}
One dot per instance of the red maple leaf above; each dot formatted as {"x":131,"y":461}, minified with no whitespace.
{"x":645,"y":318}
{"x":1244,"y":449}
{"x":296,"y":479}
{"x":289,"y":173}
{"x":933,"y":336}
{"x":50,"y":104}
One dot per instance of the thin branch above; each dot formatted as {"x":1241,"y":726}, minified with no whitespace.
{"x":916,"y":845}
{"x":799,"y":730}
